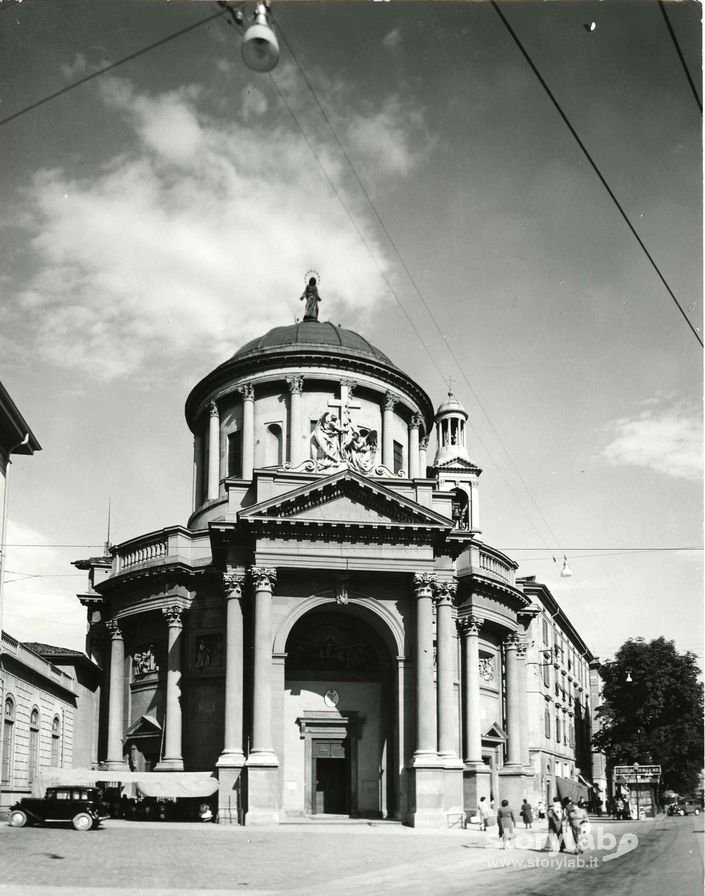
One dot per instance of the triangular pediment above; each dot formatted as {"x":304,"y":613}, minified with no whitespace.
{"x":145,"y":726}
{"x":458,"y":464}
{"x":495,"y":732}
{"x":345,"y":499}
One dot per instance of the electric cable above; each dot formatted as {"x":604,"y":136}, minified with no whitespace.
{"x":662,"y":7}
{"x":595,"y":168}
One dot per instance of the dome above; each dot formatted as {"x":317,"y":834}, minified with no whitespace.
{"x":451,"y":406}
{"x":312,"y":334}
{"x":309,"y":344}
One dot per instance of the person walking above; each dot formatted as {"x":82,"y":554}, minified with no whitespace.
{"x":555,"y":825}
{"x":527,"y":814}
{"x":507,"y":823}
{"x":576,"y":816}
{"x":483,"y":810}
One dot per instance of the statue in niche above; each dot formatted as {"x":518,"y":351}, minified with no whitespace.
{"x":312,"y":299}
{"x":209,"y":651}
{"x":145,"y":662}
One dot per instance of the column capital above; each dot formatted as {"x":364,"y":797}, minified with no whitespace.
{"x":263,"y":578}
{"x":173,"y":615}
{"x":247,"y":390}
{"x":296,"y":384}
{"x":512,"y":641}
{"x":444,"y":592}
{"x":213,"y":409}
{"x":233,"y":585}
{"x":522,"y":647}
{"x":114,"y":630}
{"x":350,"y":385}
{"x":470,"y":625}
{"x":416,"y":421}
{"x":390,"y":401}
{"x":424,"y":583}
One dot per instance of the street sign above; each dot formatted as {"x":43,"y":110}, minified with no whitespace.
{"x":644,"y":772}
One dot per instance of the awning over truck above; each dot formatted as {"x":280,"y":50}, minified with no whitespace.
{"x":156,"y":784}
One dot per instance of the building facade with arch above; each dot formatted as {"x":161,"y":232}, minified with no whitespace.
{"x":328,"y":633}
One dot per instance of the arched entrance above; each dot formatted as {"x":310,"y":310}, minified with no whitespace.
{"x":339,"y":716}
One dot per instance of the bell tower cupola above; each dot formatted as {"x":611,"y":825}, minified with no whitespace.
{"x":454,"y":470}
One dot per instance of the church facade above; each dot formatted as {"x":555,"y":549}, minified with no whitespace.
{"x":328,"y":633}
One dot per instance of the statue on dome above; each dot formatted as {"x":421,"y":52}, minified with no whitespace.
{"x":312,"y":299}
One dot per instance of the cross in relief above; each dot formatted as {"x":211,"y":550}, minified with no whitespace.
{"x":345,"y":402}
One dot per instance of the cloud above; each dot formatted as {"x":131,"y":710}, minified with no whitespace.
{"x":196,"y":237}
{"x":391,"y":139}
{"x":665,"y":439}
{"x":77,"y":67}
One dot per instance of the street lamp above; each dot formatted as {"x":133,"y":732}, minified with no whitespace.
{"x":260,"y":48}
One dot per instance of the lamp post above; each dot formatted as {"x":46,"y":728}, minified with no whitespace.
{"x":636,"y":785}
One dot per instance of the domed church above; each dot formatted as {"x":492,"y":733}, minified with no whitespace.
{"x":327,"y":634}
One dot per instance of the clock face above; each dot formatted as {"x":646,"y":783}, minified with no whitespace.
{"x":331,"y":697}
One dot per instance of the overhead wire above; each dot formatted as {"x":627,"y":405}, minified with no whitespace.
{"x":662,"y":7}
{"x":595,"y":168}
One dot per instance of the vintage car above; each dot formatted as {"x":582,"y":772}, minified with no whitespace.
{"x":83,"y":807}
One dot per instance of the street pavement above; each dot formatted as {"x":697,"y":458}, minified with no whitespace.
{"x":125,"y":858}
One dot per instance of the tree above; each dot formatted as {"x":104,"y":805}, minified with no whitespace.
{"x":652,"y":711}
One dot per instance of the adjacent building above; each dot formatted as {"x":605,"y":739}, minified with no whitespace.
{"x":328,"y":633}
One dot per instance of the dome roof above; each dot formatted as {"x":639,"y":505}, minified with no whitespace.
{"x":312,"y":334}
{"x":451,"y":406}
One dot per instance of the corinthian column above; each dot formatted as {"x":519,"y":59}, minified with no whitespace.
{"x":248,"y":429}
{"x":445,"y":665}
{"x":172,"y":760}
{"x":511,"y":673}
{"x":232,"y":755}
{"x":414,"y":426}
{"x":470,"y":628}
{"x":261,"y":751}
{"x":213,"y":451}
{"x":296,"y":434}
{"x":423,"y":461}
{"x":116,"y":697}
{"x":390,"y":402}
{"x":425,"y":697}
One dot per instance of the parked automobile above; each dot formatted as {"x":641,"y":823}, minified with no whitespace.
{"x":83,"y":807}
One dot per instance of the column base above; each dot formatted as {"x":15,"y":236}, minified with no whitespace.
{"x":262,"y":791}
{"x":426,"y":797}
{"x":230,"y":785}
{"x":231,"y":759}
{"x":513,"y":785}
{"x":114,"y":765}
{"x":426,"y":760}
{"x":476,"y":784}
{"x":169,"y":765}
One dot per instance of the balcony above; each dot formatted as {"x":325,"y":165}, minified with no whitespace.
{"x":486,"y":561}
{"x":167,"y":547}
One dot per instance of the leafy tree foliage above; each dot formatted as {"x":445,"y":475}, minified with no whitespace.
{"x":657,"y":717}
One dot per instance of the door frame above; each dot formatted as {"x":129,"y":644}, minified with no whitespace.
{"x":332,"y":725}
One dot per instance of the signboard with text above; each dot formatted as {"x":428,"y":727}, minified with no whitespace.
{"x":644,"y":772}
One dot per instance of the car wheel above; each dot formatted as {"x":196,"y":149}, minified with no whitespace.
{"x":18,"y":818}
{"x":82,"y":821}
{"x":682,"y":812}
{"x":696,"y":812}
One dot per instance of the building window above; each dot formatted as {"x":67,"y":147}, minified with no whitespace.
{"x":546,"y":675}
{"x":33,"y":743}
{"x":398,"y":456}
{"x":558,"y":729}
{"x":547,"y":723}
{"x":545,"y":630}
{"x":235,"y":454}
{"x":8,"y":731}
{"x":56,"y":742}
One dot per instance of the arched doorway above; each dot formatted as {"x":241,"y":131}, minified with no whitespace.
{"x":339,"y":717}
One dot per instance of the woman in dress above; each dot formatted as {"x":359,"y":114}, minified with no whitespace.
{"x":527,"y":814}
{"x":506,"y":822}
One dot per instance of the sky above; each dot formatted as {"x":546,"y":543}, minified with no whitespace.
{"x":161,"y":214}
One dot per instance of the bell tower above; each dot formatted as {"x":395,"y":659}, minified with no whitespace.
{"x":454,"y":470}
